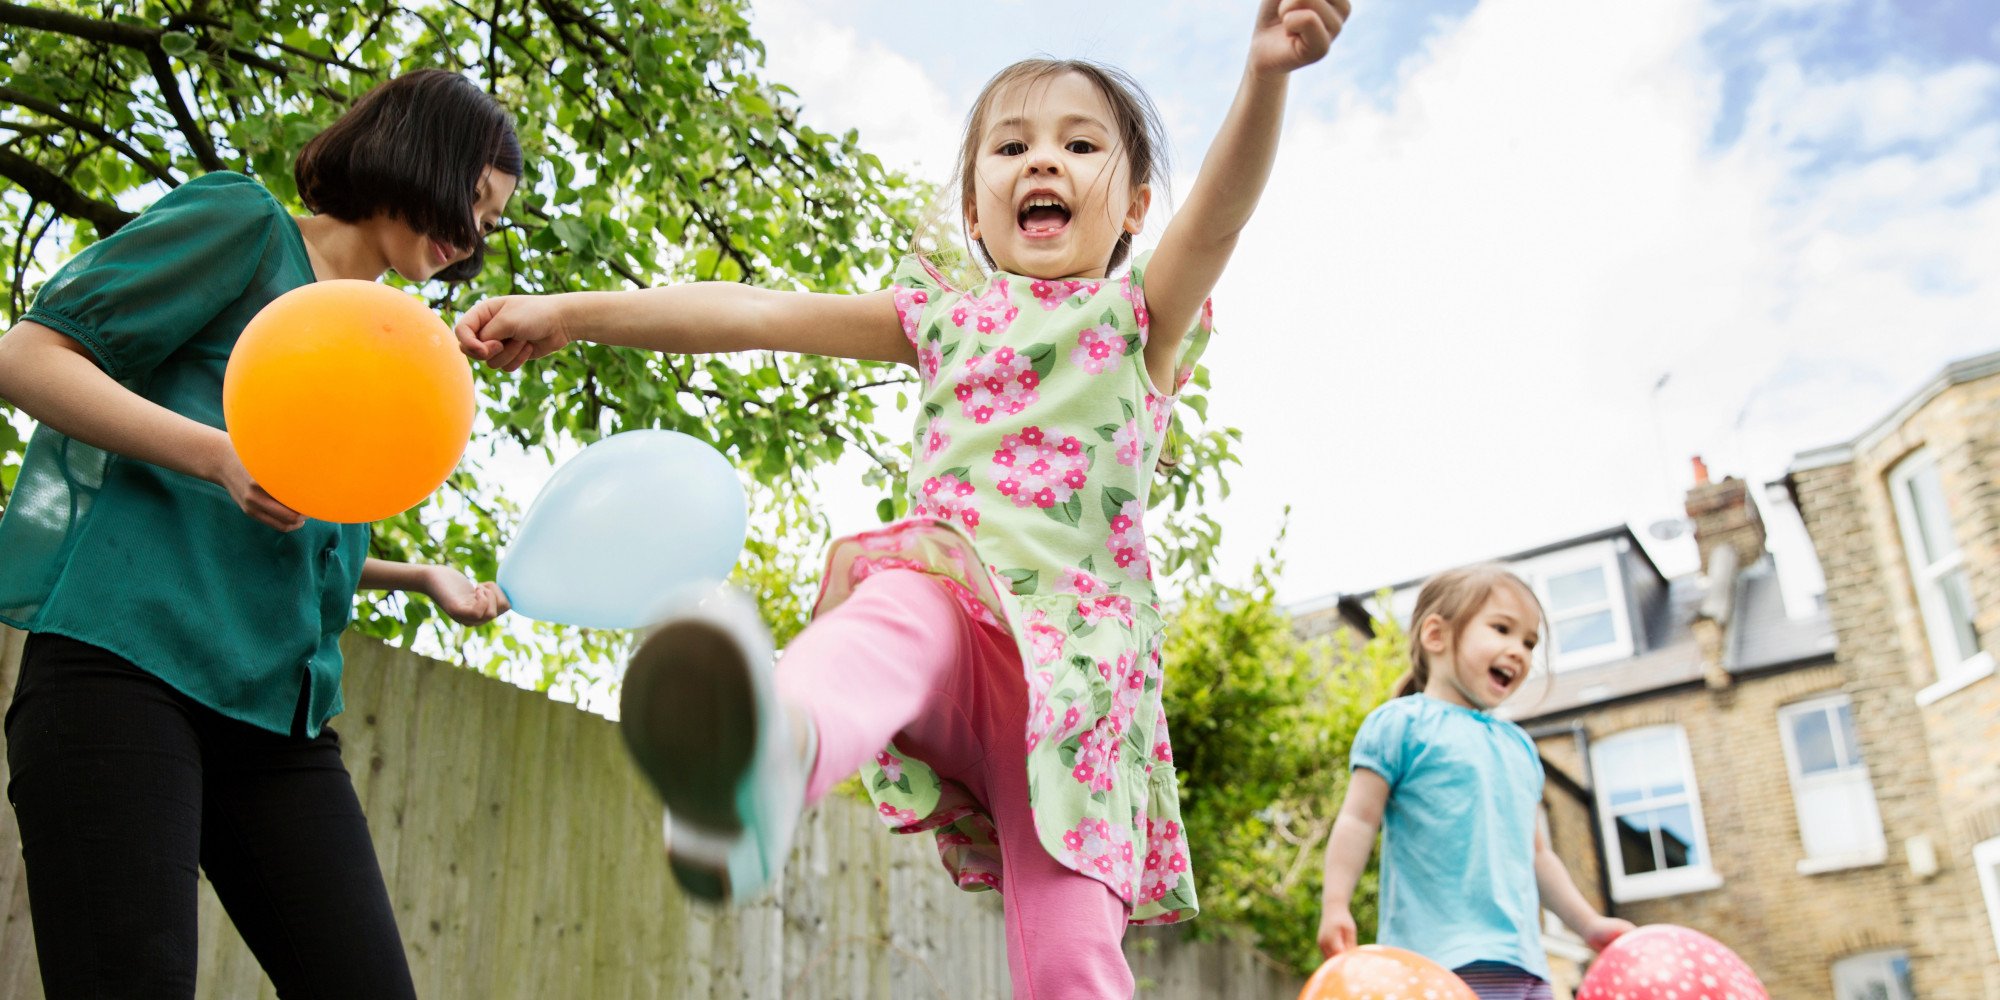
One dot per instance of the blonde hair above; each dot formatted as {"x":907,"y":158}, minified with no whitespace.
{"x":1142,"y":138}
{"x":1452,"y":596}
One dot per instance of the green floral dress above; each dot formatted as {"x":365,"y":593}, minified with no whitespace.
{"x":1035,"y":449}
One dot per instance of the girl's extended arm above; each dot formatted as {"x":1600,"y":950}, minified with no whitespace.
{"x":55,"y":380}
{"x":467,"y":603}
{"x":1346,"y":854}
{"x":1202,"y":235}
{"x":1560,"y":896}
{"x":699,"y":318}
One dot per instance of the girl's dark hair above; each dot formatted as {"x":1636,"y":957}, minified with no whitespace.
{"x":1453,"y":595}
{"x":1142,"y":139}
{"x":413,"y":148}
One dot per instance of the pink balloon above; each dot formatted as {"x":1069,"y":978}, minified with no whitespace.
{"x":1662,"y":960}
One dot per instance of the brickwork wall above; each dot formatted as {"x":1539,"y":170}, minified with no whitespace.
{"x":1851,"y":516}
{"x":1790,"y":927}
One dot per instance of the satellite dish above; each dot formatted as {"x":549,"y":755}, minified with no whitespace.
{"x":1669,"y":529}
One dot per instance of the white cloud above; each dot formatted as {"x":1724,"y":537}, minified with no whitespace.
{"x":847,"y":81}
{"x":1895,"y":104}
{"x":1448,"y":317}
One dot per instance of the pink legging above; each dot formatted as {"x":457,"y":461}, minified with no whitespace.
{"x":901,"y":660}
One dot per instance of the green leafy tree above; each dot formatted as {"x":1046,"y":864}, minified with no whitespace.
{"x":658,"y":151}
{"x":1262,"y":723}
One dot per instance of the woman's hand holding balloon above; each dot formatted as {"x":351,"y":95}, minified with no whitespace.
{"x":232,"y":476}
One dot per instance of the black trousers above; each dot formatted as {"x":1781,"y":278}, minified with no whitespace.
{"x":123,"y":785}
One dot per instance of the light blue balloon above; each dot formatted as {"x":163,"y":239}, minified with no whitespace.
{"x":627,"y":527}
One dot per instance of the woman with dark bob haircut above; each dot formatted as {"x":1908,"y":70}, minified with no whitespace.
{"x":183,"y":655}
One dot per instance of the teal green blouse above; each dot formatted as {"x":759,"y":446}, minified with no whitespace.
{"x":160,"y":568}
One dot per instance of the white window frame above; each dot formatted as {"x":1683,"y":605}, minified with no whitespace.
{"x":1603,"y":556}
{"x":1986,"y":860}
{"x":1876,"y":965}
{"x":1669,"y":882}
{"x":1924,"y":579}
{"x":1873,"y":853}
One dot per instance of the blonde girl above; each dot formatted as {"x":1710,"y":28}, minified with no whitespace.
{"x":1465,"y":868}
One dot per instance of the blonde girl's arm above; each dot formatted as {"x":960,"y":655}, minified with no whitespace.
{"x":704,"y":317}
{"x":1346,"y":854}
{"x":1198,"y":242}
{"x":1561,"y":897}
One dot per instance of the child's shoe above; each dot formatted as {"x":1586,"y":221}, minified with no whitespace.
{"x":700,"y":714}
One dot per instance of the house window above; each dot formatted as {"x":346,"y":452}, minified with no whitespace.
{"x":1986,"y":861}
{"x":1584,"y":595}
{"x":1651,"y":814}
{"x":1839,"y":823}
{"x":1875,"y":975}
{"x":1937,"y":570}
{"x":1580,"y":610}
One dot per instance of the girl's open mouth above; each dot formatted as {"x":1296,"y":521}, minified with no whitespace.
{"x":1043,"y":216}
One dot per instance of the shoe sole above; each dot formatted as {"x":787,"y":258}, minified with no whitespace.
{"x":688,"y":714}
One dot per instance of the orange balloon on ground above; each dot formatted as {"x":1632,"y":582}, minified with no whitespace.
{"x":348,"y":400}
{"x":1379,"y":972}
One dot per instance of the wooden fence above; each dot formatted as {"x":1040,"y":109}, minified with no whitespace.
{"x":523,"y":856}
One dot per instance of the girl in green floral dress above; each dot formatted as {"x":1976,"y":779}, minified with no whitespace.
{"x":992,"y":662}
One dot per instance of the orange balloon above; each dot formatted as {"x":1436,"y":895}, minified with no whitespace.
{"x":1379,"y":972}
{"x":348,"y":400}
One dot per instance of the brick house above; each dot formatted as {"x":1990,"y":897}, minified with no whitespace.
{"x":1906,"y":520}
{"x":1805,"y":782}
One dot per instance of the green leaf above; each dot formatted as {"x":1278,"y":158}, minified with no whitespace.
{"x":1078,"y":625}
{"x":1021,"y":581}
{"x":1041,"y":359}
{"x":1115,"y":500}
{"x":1068,"y":512}
{"x":176,"y":44}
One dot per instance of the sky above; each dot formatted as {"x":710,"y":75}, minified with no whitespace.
{"x":1519,"y":259}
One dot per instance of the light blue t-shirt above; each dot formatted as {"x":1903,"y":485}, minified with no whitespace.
{"x":1458,"y":833}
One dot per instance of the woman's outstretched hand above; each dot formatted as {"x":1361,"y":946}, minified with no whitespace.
{"x":512,"y":330}
{"x":463,"y":601}
{"x":1295,"y":33}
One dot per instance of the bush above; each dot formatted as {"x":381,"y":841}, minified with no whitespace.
{"x":1262,"y":723}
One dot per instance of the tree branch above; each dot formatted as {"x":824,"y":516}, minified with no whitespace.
{"x":170,"y":90}
{"x":76,"y":26}
{"x":819,"y":398}
{"x":204,"y":21}
{"x":45,"y":186}
{"x":101,"y":134}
